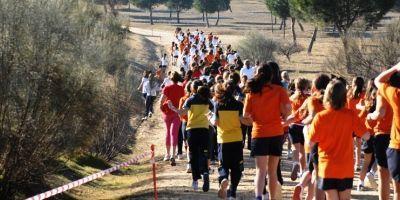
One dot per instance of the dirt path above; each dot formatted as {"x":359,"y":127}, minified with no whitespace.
{"x":174,"y":182}
{"x":135,"y":182}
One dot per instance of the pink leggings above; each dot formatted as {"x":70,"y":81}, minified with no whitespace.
{"x":172,"y":123}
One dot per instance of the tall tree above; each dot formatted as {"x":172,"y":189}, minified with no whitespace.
{"x":302,"y":11}
{"x":179,"y":6}
{"x":343,"y":13}
{"x":223,"y":5}
{"x":281,"y":8}
{"x":206,"y":7}
{"x":148,"y":5}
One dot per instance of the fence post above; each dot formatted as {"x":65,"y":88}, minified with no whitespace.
{"x":153,"y":162}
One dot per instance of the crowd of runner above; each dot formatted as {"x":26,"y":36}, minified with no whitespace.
{"x":215,"y":104}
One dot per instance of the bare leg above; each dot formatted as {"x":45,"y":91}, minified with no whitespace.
{"x":345,"y":195}
{"x":332,"y":195}
{"x":261,"y":172}
{"x":273,"y":177}
{"x":384,"y":183}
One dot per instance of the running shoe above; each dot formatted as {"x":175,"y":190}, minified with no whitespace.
{"x":150,"y":114}
{"x":195,"y":185}
{"x":188,"y":168}
{"x":360,"y":187}
{"x":206,"y":182}
{"x":172,"y":161}
{"x":180,"y":157}
{"x":144,"y":118}
{"x":295,"y":171}
{"x":297,"y":193}
{"x":166,"y":158}
{"x":265,"y":196}
{"x":222,"y":193}
{"x":371,"y":180}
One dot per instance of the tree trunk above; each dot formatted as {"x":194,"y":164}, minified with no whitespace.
{"x":178,"y":19}
{"x":151,"y":16}
{"x":293,"y":30}
{"x":208,"y":22}
{"x":282,"y":23}
{"x":272,"y":22}
{"x":105,"y":6}
{"x":284,"y":29}
{"x":313,"y":39}
{"x":216,"y":23}
{"x":275,"y":20}
{"x":129,"y":6}
{"x":345,"y":40}
{"x":204,"y":19}
{"x":170,"y":13}
{"x":301,"y":26}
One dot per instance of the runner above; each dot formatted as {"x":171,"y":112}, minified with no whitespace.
{"x":296,"y":128}
{"x":197,"y":108}
{"x":171,"y":93}
{"x":267,"y":134}
{"x":388,"y":84}
{"x":227,"y":117}
{"x":355,"y":96}
{"x":313,"y":105}
{"x":152,"y":87}
{"x":335,"y":143}
{"x":184,"y":119}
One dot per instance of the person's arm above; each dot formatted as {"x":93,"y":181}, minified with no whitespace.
{"x":163,"y":99}
{"x":385,"y":76}
{"x":380,"y":110}
{"x":311,"y":114}
{"x":140,"y":86}
{"x":181,"y":112}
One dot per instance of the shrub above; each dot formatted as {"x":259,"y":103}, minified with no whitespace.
{"x":63,"y":76}
{"x":256,"y":47}
{"x":288,"y":49}
{"x":368,"y":55}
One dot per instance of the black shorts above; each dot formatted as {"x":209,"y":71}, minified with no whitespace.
{"x":393,"y":157}
{"x":296,"y":134}
{"x":368,"y":146}
{"x":335,"y":184}
{"x":310,"y":164}
{"x":314,"y":155}
{"x":184,"y":131}
{"x":381,"y":144}
{"x":268,"y":146}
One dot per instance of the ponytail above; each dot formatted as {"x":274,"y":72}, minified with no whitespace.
{"x":359,"y":83}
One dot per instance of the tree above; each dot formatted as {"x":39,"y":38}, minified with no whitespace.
{"x":223,"y":5}
{"x":302,"y":11}
{"x":343,"y":13}
{"x":178,"y":6}
{"x":148,"y":5}
{"x":281,"y":8}
{"x":255,"y":46}
{"x":206,"y":7}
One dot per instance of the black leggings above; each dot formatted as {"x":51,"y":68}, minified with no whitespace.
{"x":198,"y":140}
{"x":149,"y":104}
{"x":230,"y":156}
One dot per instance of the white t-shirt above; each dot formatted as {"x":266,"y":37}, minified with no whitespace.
{"x":231,"y":59}
{"x":167,"y":82}
{"x":164,"y":61}
{"x":249,"y":72}
{"x":144,"y":82}
{"x":151,"y":91}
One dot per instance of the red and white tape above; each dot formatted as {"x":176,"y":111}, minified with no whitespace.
{"x":92,"y":177}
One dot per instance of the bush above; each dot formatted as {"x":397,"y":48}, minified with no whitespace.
{"x":368,"y":56}
{"x":256,"y":47}
{"x":288,"y":49}
{"x":64,"y":83}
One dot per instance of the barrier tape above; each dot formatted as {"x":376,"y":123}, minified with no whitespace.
{"x":92,"y":177}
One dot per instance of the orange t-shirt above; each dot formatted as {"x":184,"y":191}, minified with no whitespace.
{"x":352,"y":103}
{"x":184,"y":118}
{"x":209,"y":59}
{"x":384,"y":125}
{"x":296,"y":105}
{"x":333,"y":131}
{"x":392,"y":96}
{"x":313,"y":104}
{"x":264,"y":109}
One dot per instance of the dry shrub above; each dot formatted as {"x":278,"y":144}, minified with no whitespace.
{"x":56,"y":61}
{"x":368,"y":56}
{"x":255,"y":46}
